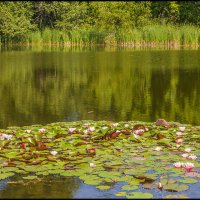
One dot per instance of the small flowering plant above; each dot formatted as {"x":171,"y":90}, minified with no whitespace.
{"x":42,"y":130}
{"x":71,"y":130}
{"x":182,"y":128}
{"x":53,"y":153}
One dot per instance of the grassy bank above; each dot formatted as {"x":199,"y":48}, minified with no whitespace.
{"x":148,"y":36}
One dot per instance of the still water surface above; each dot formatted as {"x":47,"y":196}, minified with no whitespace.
{"x":50,"y":86}
{"x":44,"y":87}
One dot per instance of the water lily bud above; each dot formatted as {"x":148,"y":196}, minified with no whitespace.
{"x":92,"y":165}
{"x":188,"y":150}
{"x":27,"y":131}
{"x":71,"y":130}
{"x":158,"y":148}
{"x":115,"y":124}
{"x":182,"y":128}
{"x":53,"y":153}
{"x":42,"y":130}
{"x":91,"y":129}
{"x":179,"y":141}
{"x":178,"y":133}
{"x":185,"y":155}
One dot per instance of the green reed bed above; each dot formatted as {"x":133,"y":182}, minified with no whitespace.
{"x":150,"y":36}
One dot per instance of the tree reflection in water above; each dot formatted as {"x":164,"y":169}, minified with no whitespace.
{"x":46,"y":187}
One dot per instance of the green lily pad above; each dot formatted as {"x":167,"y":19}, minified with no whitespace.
{"x":103,"y":187}
{"x":139,"y":195}
{"x":29,"y":177}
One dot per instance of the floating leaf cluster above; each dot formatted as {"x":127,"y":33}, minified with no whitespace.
{"x":103,"y":153}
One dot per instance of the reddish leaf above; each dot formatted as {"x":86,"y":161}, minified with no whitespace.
{"x":91,"y":150}
{"x":69,"y":168}
{"x":23,"y":145}
{"x":41,"y":145}
{"x":115,"y":134}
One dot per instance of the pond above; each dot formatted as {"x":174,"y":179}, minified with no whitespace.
{"x":42,"y":86}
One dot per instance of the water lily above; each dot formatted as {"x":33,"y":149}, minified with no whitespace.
{"x":179,"y":141}
{"x":71,"y":130}
{"x":184,"y":155}
{"x":53,"y":153}
{"x":178,"y":164}
{"x":92,"y":165}
{"x":115,"y":124}
{"x":188,"y":166}
{"x":158,"y":148}
{"x":5,"y":136}
{"x":86,"y":131}
{"x":192,"y":157}
{"x":139,"y":131}
{"x":146,"y":129}
{"x":91,"y":129}
{"x":178,"y":133}
{"x":182,"y":128}
{"x":178,"y":145}
{"x":126,"y":125}
{"x":188,"y":150}
{"x":42,"y":130}
{"x":104,"y":127}
{"x":27,"y":131}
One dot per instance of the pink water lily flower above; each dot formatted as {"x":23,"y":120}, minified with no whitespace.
{"x":86,"y":131}
{"x":71,"y":130}
{"x":91,"y":129}
{"x":27,"y":131}
{"x":178,"y":133}
{"x":178,"y":164}
{"x":139,"y":131}
{"x":182,"y":128}
{"x":184,"y":155}
{"x":192,"y":157}
{"x":179,"y":141}
{"x":188,"y":166}
{"x":188,"y":150}
{"x":42,"y":130}
{"x":6,"y":136}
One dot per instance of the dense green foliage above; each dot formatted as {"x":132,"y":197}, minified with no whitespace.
{"x":69,"y":22}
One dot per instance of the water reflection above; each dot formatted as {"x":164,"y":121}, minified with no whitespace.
{"x":48,"y":187}
{"x":44,"y":87}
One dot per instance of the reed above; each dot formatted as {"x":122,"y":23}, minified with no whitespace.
{"x":148,"y":36}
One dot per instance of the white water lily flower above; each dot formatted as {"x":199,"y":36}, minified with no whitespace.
{"x":53,"y":153}
{"x":184,"y":155}
{"x":178,"y":145}
{"x":182,"y":128}
{"x":158,"y":148}
{"x":146,"y":129}
{"x":104,"y":127}
{"x":188,"y":150}
{"x":42,"y":130}
{"x":91,"y":129}
{"x":178,"y":133}
{"x":115,"y":124}
{"x":27,"y":131}
{"x":6,"y":136}
{"x":126,"y":125}
{"x":192,"y":157}
{"x":92,"y":165}
{"x":178,"y":164}
{"x":71,"y":130}
{"x":86,"y":131}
